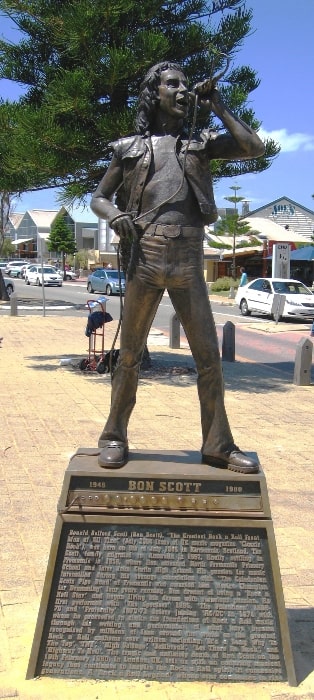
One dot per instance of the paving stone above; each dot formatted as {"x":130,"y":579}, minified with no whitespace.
{"x":48,"y":411}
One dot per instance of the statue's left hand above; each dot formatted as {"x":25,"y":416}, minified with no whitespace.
{"x":123,"y":226}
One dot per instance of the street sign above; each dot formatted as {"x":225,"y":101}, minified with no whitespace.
{"x":281,"y":260}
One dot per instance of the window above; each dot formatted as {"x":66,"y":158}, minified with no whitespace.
{"x":257,"y":285}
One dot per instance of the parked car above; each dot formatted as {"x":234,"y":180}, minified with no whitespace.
{"x":35,"y":274}
{"x":14,"y":268}
{"x":107,"y":281}
{"x":258,"y":296}
{"x":8,"y":283}
{"x":26,"y":267}
{"x":70,"y":275}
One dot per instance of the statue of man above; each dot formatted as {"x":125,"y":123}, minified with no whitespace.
{"x":164,"y":199}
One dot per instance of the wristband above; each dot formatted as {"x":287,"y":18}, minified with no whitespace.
{"x":119,"y":216}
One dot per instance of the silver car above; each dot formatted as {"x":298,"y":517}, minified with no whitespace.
{"x":106,"y":281}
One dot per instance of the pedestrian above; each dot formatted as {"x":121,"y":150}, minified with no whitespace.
{"x":164,"y":198}
{"x":244,"y":279}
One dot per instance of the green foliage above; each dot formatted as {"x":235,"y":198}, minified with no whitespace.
{"x":79,"y":260}
{"x":220,"y":246}
{"x":7,"y":249}
{"x":61,"y":238}
{"x":232,"y":225}
{"x":252,"y":243}
{"x":223,"y":284}
{"x":81,"y":64}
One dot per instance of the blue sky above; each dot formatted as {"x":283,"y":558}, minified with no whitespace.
{"x":281,"y":50}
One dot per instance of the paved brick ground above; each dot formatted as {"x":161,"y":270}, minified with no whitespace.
{"x":49,"y":410}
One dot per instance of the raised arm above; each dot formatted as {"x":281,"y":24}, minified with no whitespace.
{"x":240,"y":141}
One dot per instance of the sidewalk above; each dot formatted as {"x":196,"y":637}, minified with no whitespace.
{"x":48,"y":410}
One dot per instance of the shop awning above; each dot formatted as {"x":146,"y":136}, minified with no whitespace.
{"x":306,"y":253}
{"x":274,"y":232}
{"x":21,"y":240}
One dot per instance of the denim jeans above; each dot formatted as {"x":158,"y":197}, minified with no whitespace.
{"x":175,"y":264}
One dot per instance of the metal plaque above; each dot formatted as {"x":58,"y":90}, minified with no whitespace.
{"x":162,"y":598}
{"x":166,"y":483}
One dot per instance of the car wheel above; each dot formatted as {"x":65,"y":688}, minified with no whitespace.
{"x":244,"y":308}
{"x":10,"y":289}
{"x":108,"y":290}
{"x":90,"y":288}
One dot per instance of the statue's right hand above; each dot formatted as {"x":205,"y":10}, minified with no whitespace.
{"x":123,"y":226}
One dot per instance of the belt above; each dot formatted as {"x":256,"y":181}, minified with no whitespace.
{"x":170,"y":230}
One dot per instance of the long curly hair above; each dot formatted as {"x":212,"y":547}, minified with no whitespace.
{"x":148,"y":97}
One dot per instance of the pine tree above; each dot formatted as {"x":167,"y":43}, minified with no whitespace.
{"x":233,"y":226}
{"x":81,"y":64}
{"x":61,"y":239}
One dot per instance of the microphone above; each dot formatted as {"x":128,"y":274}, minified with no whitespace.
{"x":204,"y":88}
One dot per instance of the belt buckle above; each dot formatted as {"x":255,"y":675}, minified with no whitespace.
{"x":172,"y":231}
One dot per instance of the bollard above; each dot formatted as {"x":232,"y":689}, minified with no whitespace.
{"x":174,"y":339}
{"x":231,"y":292}
{"x":278,"y":306}
{"x":228,"y":342}
{"x":13,"y":304}
{"x":303,"y":362}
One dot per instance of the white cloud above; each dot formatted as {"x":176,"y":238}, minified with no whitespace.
{"x":289,"y":142}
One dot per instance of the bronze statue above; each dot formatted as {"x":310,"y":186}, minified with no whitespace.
{"x":164,"y":199}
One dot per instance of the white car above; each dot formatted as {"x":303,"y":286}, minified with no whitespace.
{"x":25,"y":268}
{"x":258,"y":297}
{"x":14,"y":268}
{"x":36,"y":274}
{"x":70,"y":275}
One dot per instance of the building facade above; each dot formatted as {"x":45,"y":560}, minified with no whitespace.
{"x":288,"y":214}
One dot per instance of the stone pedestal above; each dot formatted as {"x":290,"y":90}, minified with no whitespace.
{"x":166,"y":570}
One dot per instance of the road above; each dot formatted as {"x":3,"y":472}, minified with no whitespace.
{"x":256,"y":340}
